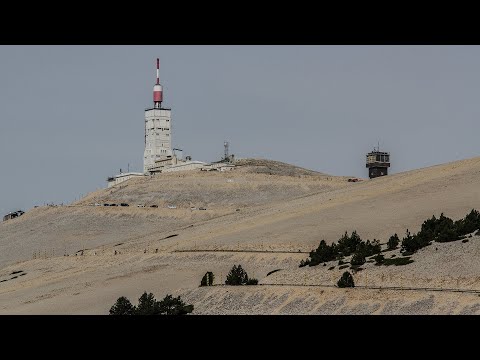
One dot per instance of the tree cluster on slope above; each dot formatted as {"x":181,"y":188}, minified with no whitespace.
{"x":147,"y":305}
{"x":442,"y":229}
{"x":238,"y":276}
{"x":347,"y":245}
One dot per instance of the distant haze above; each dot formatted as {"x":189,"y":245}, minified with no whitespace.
{"x":72,"y":115}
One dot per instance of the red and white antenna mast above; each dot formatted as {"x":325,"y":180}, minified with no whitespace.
{"x":158,"y":90}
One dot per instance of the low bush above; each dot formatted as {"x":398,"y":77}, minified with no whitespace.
{"x":346,"y":280}
{"x":357,"y":259}
{"x":397,"y":261}
{"x":393,"y":242}
{"x":379,"y":259}
{"x":207,"y":279}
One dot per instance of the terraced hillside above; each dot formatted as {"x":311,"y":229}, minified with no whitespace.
{"x":264,"y":215}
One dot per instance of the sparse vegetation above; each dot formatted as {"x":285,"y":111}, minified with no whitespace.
{"x":322,"y":254}
{"x":393,"y":242}
{"x":347,"y":245}
{"x":358,"y":259}
{"x":238,"y":276}
{"x":397,"y":261}
{"x":442,"y":229}
{"x":207,"y":279}
{"x":379,"y":259}
{"x":346,"y":280}
{"x":147,"y":305}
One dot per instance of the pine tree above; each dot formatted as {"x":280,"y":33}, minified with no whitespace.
{"x":237,"y":276}
{"x":207,"y":279}
{"x":393,"y":242}
{"x":146,"y":305}
{"x":358,"y":259}
{"x":172,"y":306}
{"x":346,"y":280}
{"x":123,"y":306}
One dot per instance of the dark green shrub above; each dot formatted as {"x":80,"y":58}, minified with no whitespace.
{"x":346,"y":280}
{"x":397,"y":261}
{"x":331,"y":268}
{"x":304,"y":263}
{"x":237,"y":276}
{"x":465,"y":241}
{"x":122,"y":306}
{"x":412,"y":243}
{"x":357,"y":259}
{"x":322,"y":254}
{"x":393,"y":242}
{"x":469,"y":224}
{"x":342,"y":267}
{"x":347,"y":245}
{"x":379,"y":259}
{"x":207,"y":279}
{"x":252,"y":281}
{"x":340,"y":262}
{"x":442,"y":229}
{"x":146,"y":305}
{"x":368,"y":248}
{"x":172,"y":306}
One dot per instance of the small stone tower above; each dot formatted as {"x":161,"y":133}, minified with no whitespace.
{"x":378,"y":163}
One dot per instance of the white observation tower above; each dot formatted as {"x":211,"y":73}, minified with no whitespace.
{"x":158,"y":125}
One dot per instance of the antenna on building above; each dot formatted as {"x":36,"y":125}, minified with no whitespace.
{"x":225,"y":145}
{"x":128,"y":168}
{"x":177,"y":149}
{"x":157,"y":89}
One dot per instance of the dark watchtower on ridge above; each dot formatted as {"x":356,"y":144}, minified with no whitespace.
{"x":378,"y":163}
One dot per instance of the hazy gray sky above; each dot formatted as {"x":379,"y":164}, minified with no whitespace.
{"x":72,"y":115}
